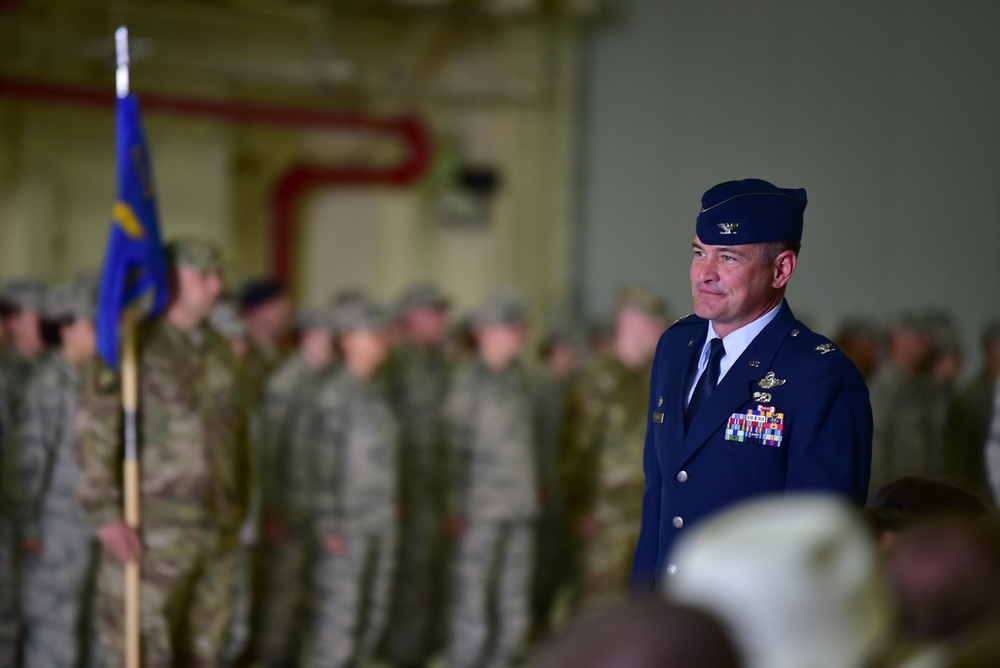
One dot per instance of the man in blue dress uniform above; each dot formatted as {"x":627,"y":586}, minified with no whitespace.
{"x":744,"y":399}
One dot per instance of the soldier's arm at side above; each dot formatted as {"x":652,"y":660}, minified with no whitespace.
{"x":830,"y":445}
{"x":100,"y":448}
{"x":32,"y":454}
{"x":459,"y":415}
{"x":644,"y":575}
{"x":325,"y":427}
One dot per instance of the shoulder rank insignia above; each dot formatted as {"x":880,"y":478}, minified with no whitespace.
{"x":824,"y":348}
{"x":683,"y":317}
{"x":769,"y":381}
{"x":728,"y":228}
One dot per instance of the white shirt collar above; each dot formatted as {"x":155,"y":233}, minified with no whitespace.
{"x":735,"y":343}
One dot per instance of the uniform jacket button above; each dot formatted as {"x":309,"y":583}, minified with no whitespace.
{"x":682,"y":476}
{"x":678,"y":522}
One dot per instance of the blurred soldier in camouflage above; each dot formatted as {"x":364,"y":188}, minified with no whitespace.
{"x":417,"y":375}
{"x":351,"y":429}
{"x":493,"y":491}
{"x":607,"y":418}
{"x":225,"y":318}
{"x":286,"y":493}
{"x":265,"y":310}
{"x":20,"y":302}
{"x":905,"y":440}
{"x":560,"y":357}
{"x":60,"y":549}
{"x":969,"y":418}
{"x":194,"y":475}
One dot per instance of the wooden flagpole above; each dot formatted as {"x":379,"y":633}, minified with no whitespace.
{"x":130,"y":403}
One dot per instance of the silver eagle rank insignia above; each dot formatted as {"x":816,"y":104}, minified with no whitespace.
{"x":728,"y":228}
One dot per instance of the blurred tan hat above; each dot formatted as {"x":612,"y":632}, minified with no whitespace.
{"x":642,"y":298}
{"x":796,"y":579}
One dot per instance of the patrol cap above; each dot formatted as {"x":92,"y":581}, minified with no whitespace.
{"x":910,"y":321}
{"x":762,"y":564}
{"x":200,"y":254}
{"x":562,"y":333}
{"x":360,"y":314}
{"x":750,"y":211}
{"x":314,"y":318}
{"x":347,"y":296}
{"x":73,"y":301}
{"x":423,"y":295}
{"x":23,"y":294}
{"x":643,"y":299}
{"x":500,"y":309}
{"x":225,"y":318}
{"x":260,"y":291}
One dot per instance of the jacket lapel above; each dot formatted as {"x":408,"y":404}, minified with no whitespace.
{"x":736,"y":388}
{"x":678,"y":373}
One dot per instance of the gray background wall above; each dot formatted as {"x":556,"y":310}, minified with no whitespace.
{"x":886,"y":112}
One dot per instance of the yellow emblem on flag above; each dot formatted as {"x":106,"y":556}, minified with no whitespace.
{"x":123,"y":215}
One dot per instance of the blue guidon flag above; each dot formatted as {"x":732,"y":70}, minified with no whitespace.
{"x":135,"y":266}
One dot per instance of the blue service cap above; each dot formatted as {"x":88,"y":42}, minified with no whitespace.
{"x":750,"y":211}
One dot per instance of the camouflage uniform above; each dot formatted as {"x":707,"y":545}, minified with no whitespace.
{"x":254,"y":368}
{"x":552,"y":537}
{"x":194,"y":471}
{"x":607,"y":416}
{"x":15,"y":369}
{"x":354,"y":435}
{"x":493,"y":489}
{"x":992,"y":449}
{"x":967,"y":430}
{"x":285,"y":484}
{"x":418,"y":382}
{"x":56,"y":594}
{"x":905,"y":440}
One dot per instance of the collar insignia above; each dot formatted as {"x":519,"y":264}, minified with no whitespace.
{"x":769,"y":381}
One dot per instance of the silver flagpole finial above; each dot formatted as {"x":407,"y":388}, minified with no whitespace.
{"x":121,"y":57}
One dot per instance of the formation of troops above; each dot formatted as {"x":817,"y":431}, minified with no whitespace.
{"x":392,"y":484}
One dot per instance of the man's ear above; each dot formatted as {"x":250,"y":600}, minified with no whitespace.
{"x":784,"y":267}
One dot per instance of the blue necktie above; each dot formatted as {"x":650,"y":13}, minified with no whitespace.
{"x":706,"y":384}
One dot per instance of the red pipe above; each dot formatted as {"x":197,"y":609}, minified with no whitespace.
{"x":297,"y":179}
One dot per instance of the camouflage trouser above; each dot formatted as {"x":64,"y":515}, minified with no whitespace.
{"x":607,"y":562}
{"x":551,"y":565}
{"x":283,"y":604}
{"x":351,"y":604}
{"x":491,"y":581}
{"x":415,"y":622}
{"x":186,"y":599}
{"x":238,"y":631}
{"x":57,"y":600}
{"x":10,"y":615}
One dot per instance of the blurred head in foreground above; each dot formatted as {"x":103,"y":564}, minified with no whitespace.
{"x":796,"y":579}
{"x":644,"y":633}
